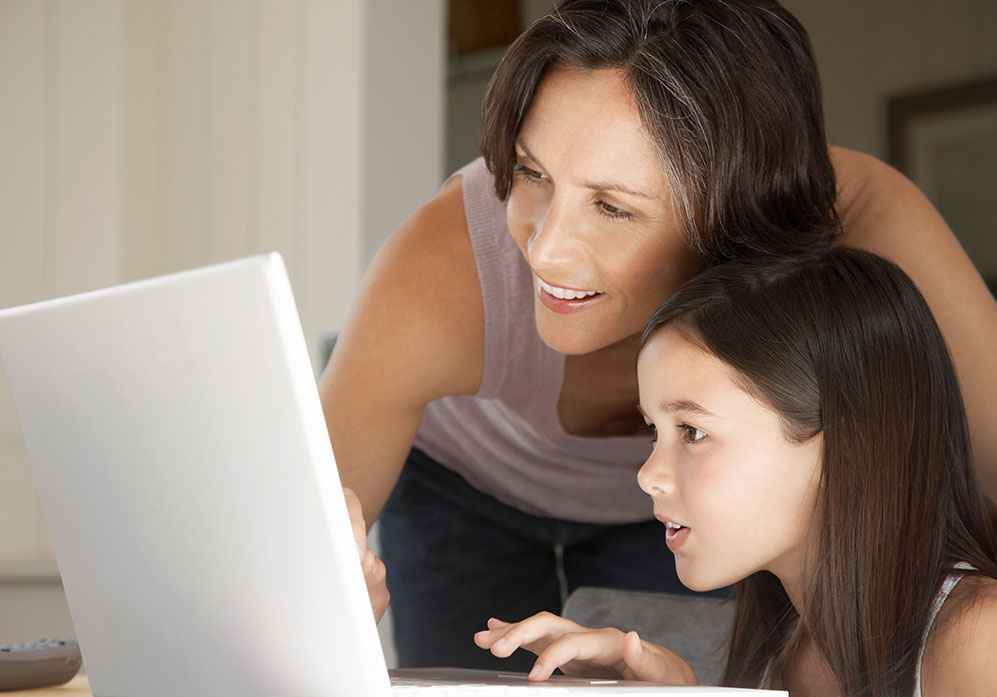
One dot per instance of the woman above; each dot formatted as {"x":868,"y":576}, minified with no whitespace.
{"x":628,"y":145}
{"x":812,"y":401}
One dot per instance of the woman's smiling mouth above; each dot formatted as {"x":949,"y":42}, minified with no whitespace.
{"x":565,"y":300}
{"x":565,"y":293}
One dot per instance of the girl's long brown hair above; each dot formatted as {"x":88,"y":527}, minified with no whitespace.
{"x":841,"y":343}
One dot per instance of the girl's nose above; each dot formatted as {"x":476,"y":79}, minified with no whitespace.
{"x":655,"y":476}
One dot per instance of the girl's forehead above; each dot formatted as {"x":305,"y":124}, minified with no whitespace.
{"x":673,"y":368}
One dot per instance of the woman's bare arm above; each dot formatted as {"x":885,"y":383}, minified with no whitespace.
{"x":414,"y":333}
{"x":882,"y":211}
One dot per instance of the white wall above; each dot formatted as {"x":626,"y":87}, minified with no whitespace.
{"x":140,"y":137}
{"x":404,"y":83}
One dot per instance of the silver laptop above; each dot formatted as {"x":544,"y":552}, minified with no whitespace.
{"x":186,"y":475}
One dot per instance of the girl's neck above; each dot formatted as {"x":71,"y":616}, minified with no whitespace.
{"x":791,"y":575}
{"x":808,"y":675}
{"x":794,"y":589}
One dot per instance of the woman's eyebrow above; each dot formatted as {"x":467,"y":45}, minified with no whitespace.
{"x":522,"y":146}
{"x":614,"y":186}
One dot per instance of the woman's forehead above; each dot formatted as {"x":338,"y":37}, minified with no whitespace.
{"x":601,"y":96}
{"x":587,"y":122}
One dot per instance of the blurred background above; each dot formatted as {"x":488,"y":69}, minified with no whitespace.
{"x":140,"y":137}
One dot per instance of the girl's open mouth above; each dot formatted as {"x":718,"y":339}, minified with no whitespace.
{"x":675,"y":535}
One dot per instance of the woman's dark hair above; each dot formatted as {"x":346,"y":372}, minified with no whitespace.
{"x":841,"y":343}
{"x":728,"y":91}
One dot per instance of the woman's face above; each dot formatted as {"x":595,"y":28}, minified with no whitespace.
{"x":723,"y":469}
{"x":592,"y":214}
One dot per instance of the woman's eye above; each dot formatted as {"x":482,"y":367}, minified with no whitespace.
{"x":613,"y":212}
{"x":691,"y":434}
{"x":528,"y":174}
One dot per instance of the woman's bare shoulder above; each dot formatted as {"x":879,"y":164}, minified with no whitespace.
{"x":420,"y":301}
{"x":959,"y":657}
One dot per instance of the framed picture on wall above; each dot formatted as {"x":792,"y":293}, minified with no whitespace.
{"x":945,"y":140}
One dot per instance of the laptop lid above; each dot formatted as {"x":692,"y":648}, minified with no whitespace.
{"x":185,"y":471}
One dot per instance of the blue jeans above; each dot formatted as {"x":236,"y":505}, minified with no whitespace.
{"x":456,"y":556}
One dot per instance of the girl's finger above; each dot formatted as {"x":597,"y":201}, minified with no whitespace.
{"x":636,"y":659}
{"x":654,"y":663}
{"x":533,"y":634}
{"x":496,"y":630}
{"x":601,"y":649}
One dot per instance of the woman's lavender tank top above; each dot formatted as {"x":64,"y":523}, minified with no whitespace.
{"x":507,"y":439}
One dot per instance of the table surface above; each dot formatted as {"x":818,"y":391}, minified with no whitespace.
{"x":77,"y":687}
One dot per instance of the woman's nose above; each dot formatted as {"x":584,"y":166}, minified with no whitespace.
{"x":555,"y":240}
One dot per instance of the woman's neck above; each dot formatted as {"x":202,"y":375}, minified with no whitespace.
{"x":599,"y":393}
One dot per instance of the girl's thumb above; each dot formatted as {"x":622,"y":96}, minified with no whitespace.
{"x":654,"y":666}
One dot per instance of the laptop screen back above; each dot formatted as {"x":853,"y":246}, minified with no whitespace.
{"x":186,"y":475}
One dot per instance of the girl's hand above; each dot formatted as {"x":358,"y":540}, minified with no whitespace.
{"x":584,"y":652}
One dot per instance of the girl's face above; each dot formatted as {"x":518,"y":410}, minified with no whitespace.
{"x":591,"y":212}
{"x":722,"y":469}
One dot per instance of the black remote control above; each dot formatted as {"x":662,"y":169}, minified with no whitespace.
{"x":38,"y":663}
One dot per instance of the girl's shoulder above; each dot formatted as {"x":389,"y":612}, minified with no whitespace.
{"x":959,"y":656}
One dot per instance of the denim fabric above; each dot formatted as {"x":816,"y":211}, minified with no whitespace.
{"x":456,"y":557}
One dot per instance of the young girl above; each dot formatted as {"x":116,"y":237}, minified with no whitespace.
{"x":812,"y":403}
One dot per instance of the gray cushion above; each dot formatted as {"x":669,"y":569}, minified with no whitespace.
{"x":696,"y":628}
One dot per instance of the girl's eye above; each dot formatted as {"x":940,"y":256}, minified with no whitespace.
{"x":651,"y":431}
{"x":691,"y":433}
{"x":613,"y":212}
{"x":527,"y":174}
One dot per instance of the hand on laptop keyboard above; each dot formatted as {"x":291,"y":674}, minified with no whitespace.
{"x":578,"y":650}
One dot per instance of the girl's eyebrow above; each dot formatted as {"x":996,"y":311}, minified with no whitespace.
{"x":687,"y":406}
{"x":592,"y":185}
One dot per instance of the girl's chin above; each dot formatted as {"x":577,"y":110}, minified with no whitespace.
{"x":700,"y":581}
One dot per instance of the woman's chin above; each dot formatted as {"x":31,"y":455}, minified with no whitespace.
{"x":571,"y":336}
{"x":565,"y":342}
